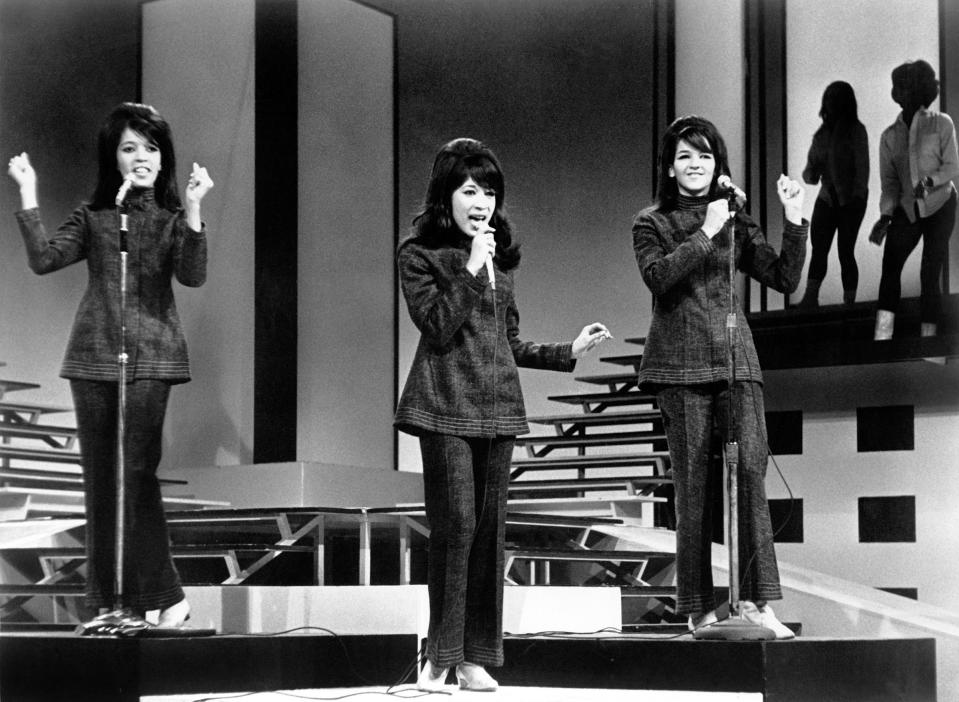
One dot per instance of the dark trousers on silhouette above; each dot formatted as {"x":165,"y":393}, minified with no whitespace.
{"x":150,"y":581}
{"x":465,"y":481}
{"x":901,"y":240}
{"x":826,"y":221}
{"x":695,"y":418}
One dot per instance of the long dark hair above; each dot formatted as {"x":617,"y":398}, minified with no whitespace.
{"x":839,"y":107}
{"x":147,"y":122}
{"x":703,"y":135}
{"x":840,"y":120}
{"x":456,"y":162}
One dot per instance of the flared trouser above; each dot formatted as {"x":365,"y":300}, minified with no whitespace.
{"x":696,"y":418}
{"x":150,"y":580}
{"x":465,"y":481}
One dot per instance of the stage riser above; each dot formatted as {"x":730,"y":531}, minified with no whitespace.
{"x":84,"y":669}
{"x":801,"y":670}
{"x":89,"y":669}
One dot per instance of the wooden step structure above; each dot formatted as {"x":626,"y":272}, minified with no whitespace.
{"x":40,"y":473}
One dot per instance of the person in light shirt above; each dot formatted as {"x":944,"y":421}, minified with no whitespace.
{"x":917,"y":164}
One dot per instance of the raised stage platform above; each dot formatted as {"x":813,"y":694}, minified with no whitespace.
{"x":64,"y":667}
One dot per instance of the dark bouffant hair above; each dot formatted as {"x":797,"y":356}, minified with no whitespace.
{"x":700,"y":133}
{"x":147,"y":122}
{"x":456,"y":162}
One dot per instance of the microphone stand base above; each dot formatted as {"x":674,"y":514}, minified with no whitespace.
{"x":734,"y":628}
{"x":127,"y":624}
{"x":117,"y":622}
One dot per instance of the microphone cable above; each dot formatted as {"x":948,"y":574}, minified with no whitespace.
{"x":761,"y":422}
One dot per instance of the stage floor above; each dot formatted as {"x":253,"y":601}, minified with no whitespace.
{"x":504,"y":694}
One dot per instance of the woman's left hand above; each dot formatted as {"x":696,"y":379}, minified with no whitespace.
{"x":198,"y":185}
{"x":592,"y":335}
{"x":791,"y":195}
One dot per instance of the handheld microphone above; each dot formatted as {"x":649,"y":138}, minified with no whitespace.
{"x":489,"y":272}
{"x":731,"y":190}
{"x":124,"y":189}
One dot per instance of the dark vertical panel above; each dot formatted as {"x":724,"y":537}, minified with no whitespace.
{"x":398,"y":303}
{"x":664,"y":79}
{"x":948,"y":81}
{"x":765,"y":45}
{"x":274,"y":385}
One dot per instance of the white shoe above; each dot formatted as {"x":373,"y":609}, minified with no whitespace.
{"x":702,"y":620}
{"x":765,"y":617}
{"x":175,"y":615}
{"x":474,"y":677}
{"x":431,"y":678}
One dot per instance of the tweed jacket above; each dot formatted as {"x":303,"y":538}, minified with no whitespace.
{"x":161,"y":245}
{"x":464,"y":379}
{"x":688,"y":275}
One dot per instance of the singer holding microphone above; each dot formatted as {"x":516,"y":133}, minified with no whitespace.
{"x":165,"y":239}
{"x":463,"y":400}
{"x":682,"y":245}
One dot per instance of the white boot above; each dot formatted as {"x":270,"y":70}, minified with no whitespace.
{"x":884,"y":324}
{"x":929,"y":329}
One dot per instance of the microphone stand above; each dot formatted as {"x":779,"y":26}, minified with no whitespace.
{"x":734,"y":627}
{"x":120,"y":621}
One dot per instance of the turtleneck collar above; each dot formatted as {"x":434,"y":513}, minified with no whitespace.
{"x":691,"y":202}
{"x":141,"y":198}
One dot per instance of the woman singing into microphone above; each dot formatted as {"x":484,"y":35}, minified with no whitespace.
{"x":682,"y":248}
{"x":165,"y":240}
{"x":463,"y":400}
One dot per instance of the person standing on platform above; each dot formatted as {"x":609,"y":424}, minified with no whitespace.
{"x":462,"y":399}
{"x":918,"y":161}
{"x":682,"y":248}
{"x":839,"y":160}
{"x":165,"y":239}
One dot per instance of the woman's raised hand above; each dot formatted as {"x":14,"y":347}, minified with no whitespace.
{"x":199,"y":184}
{"x":22,"y":172}
{"x":791,"y":195}
{"x":592,"y":335}
{"x":482,"y":248}
{"x":717,"y":214}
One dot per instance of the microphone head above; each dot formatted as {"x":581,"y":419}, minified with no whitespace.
{"x":124,"y":189}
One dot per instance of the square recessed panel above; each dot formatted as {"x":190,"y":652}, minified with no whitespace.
{"x":887,"y":519}
{"x":784,"y":430}
{"x":787,"y":520}
{"x":911,"y":592}
{"x":885,"y":428}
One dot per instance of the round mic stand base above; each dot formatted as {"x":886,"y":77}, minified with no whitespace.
{"x":117,"y":622}
{"x":128,"y":624}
